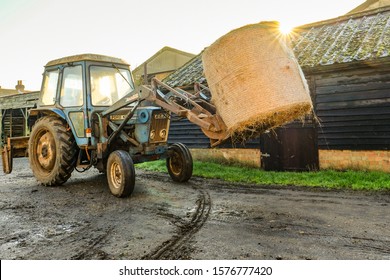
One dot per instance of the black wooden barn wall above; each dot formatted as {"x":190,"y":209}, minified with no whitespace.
{"x":181,"y":130}
{"x":353,"y":108}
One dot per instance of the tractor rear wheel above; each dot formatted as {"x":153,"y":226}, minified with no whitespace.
{"x":52,"y":151}
{"x":179,"y":162}
{"x":120,"y":173}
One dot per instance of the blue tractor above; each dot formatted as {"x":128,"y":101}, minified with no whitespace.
{"x":90,"y":114}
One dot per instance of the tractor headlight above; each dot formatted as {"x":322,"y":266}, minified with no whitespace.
{"x":152,"y":134}
{"x":163,"y":133}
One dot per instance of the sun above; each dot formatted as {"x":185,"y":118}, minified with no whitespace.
{"x":286,"y":28}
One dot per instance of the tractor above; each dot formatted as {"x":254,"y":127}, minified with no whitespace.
{"x":90,"y":114}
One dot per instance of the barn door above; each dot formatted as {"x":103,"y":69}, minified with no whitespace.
{"x":290,"y":148}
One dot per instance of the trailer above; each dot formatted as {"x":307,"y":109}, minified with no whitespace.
{"x":14,"y":115}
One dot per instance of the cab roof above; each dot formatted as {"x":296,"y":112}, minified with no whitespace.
{"x":89,"y":57}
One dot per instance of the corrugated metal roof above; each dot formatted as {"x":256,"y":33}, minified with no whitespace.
{"x":344,"y":40}
{"x":188,"y":74}
{"x":17,"y":101}
{"x":359,"y":37}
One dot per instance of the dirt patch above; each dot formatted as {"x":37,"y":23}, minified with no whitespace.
{"x":201,"y":219}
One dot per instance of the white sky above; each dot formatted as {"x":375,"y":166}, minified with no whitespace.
{"x":32,"y":32}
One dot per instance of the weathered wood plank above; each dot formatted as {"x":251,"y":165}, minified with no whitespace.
{"x":353,"y":108}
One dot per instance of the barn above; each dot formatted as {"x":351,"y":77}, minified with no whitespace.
{"x":161,"y":64}
{"x":346,"y":62}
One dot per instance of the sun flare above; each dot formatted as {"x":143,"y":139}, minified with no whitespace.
{"x":286,"y":28}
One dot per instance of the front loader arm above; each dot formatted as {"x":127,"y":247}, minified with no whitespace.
{"x":191,"y":106}
{"x":182,"y":103}
{"x":138,"y":94}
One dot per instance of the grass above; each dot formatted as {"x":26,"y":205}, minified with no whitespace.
{"x":357,"y":180}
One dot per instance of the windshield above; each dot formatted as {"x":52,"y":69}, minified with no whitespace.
{"x":108,"y":85}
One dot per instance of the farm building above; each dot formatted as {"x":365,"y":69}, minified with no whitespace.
{"x":346,"y":62}
{"x":19,"y":88}
{"x":14,"y":106}
{"x":370,"y":5}
{"x":161,"y":64}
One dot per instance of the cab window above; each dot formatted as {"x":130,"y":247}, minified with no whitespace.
{"x":49,"y":87}
{"x":108,"y":85}
{"x":72,"y":87}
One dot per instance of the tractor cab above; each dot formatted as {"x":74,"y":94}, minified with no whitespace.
{"x":77,"y":86}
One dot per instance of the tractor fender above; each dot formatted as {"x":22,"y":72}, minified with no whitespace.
{"x":48,"y":112}
{"x":38,"y":113}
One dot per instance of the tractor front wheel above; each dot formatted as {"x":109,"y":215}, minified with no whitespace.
{"x":179,"y":162}
{"x":120,"y":173}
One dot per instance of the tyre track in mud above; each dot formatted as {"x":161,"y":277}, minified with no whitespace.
{"x":92,"y":251}
{"x":276,"y":223}
{"x":180,"y":245}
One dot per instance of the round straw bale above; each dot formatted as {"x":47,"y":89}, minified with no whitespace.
{"x":255,"y":80}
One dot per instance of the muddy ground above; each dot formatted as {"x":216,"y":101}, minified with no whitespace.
{"x":201,"y":219}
